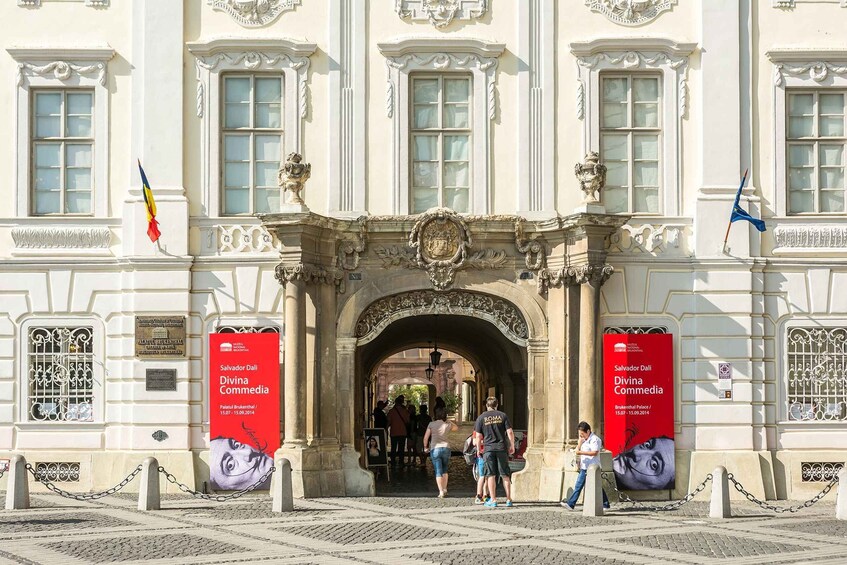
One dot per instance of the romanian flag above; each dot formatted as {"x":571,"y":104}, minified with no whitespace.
{"x":152,"y":225}
{"x":739,"y":213}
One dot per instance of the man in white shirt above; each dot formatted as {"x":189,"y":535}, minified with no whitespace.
{"x":588,"y":450}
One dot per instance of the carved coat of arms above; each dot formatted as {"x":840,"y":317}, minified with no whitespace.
{"x":441,"y":240}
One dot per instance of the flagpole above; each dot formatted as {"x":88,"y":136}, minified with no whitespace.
{"x":729,"y":223}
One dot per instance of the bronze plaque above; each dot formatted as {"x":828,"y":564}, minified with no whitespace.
{"x":160,"y":379}
{"x":160,"y":336}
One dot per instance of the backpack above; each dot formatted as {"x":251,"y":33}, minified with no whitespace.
{"x":469,"y":451}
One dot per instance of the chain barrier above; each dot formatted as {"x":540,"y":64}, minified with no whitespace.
{"x":219,"y":497}
{"x":676,"y":505}
{"x":86,"y":496}
{"x":780,"y":509}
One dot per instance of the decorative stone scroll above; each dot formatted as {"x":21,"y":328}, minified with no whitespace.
{"x":630,"y":12}
{"x":440,"y":13}
{"x":62,"y":70}
{"x":594,"y":275}
{"x":349,"y":251}
{"x":818,"y":71}
{"x":253,"y":13}
{"x":384,"y":311}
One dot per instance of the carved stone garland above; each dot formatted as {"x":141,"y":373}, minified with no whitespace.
{"x":253,"y":13}
{"x":310,"y":274}
{"x":62,"y":70}
{"x":630,"y":12}
{"x":440,"y":13}
{"x":501,"y":313}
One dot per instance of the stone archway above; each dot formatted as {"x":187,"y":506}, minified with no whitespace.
{"x":334,"y":271}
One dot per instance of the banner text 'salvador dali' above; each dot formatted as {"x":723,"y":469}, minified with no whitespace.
{"x":239,"y":385}
{"x":634,"y":385}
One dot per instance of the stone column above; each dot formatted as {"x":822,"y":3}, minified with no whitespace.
{"x":295,"y":366}
{"x":591,"y":278}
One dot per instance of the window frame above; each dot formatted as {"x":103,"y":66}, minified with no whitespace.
{"x":251,"y":131}
{"x":61,"y":69}
{"x":219,"y":57}
{"x":62,"y":141}
{"x":98,"y":374}
{"x":630,"y":131}
{"x":440,"y":132}
{"x":816,"y":140}
{"x":408,"y":56}
{"x":665,"y":57}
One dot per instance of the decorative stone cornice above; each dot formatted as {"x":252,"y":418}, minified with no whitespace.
{"x":253,"y":13}
{"x":440,"y":13}
{"x":818,"y":64}
{"x":253,"y":55}
{"x":384,"y":311}
{"x":651,"y":239}
{"x":630,"y":12}
{"x":89,"y":3}
{"x":56,"y":237}
{"x":440,"y":54}
{"x":62,"y":64}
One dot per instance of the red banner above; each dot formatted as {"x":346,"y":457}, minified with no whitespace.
{"x":243,"y":408}
{"x":639,"y":409}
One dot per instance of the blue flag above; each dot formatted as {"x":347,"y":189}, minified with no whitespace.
{"x":739,"y":213}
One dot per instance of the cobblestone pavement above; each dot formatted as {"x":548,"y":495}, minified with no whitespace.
{"x":407,"y":528}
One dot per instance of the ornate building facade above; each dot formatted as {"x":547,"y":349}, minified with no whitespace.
{"x":441,"y":137}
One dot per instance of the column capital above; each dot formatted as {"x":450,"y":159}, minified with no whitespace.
{"x":310,"y":274}
{"x":595,"y":274}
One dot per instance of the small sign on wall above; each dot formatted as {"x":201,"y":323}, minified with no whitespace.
{"x":725,"y":381}
{"x":160,"y":379}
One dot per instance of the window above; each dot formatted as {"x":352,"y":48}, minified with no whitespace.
{"x":441,"y":98}
{"x":630,"y":131}
{"x":817,"y":374}
{"x":633,"y":97}
{"x":252,"y":143}
{"x":441,"y":137}
{"x":61,"y":106}
{"x":62,"y":151}
{"x":60,"y":363}
{"x":816,"y":142}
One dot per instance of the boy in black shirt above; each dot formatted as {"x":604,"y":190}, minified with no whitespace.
{"x":498,"y":438}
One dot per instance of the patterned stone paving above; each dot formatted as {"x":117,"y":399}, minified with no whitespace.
{"x":707,"y":544}
{"x":367,"y":532}
{"x":410,"y":530}
{"x":142,"y":547}
{"x":540,"y":519}
{"x":519,"y":555}
{"x":14,"y":523}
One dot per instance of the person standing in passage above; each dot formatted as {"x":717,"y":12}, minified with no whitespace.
{"x":411,"y":435}
{"x":435,"y":442}
{"x":423,"y":424}
{"x":398,"y":419}
{"x":588,"y":450}
{"x":380,"y":419}
{"x":494,"y":428}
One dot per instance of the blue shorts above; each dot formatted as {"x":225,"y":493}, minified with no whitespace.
{"x":440,"y":459}
{"x":480,"y":465}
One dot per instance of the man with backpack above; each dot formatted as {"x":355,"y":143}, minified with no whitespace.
{"x":423,"y":421}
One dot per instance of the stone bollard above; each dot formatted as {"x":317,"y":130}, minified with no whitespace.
{"x":17,"y":485}
{"x":149,"y":497}
{"x":841,"y":496}
{"x":592,"y":504}
{"x":719,"y":506}
{"x":283,"y":497}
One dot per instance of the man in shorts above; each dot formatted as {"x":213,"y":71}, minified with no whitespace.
{"x":498,"y":438}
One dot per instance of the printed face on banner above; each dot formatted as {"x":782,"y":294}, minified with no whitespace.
{"x":375,"y":447}
{"x":639,"y":409}
{"x":243,"y":409}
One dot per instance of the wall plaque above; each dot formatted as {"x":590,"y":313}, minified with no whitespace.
{"x":160,"y":379}
{"x":160,"y":336}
